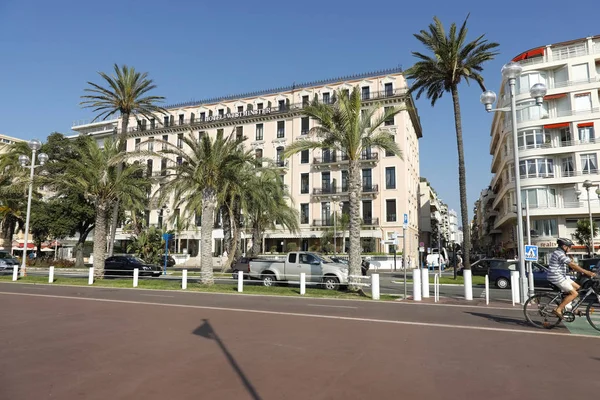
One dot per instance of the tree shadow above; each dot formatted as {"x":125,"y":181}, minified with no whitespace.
{"x":206,"y":331}
{"x":502,"y":319}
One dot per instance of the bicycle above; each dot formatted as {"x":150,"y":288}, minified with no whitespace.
{"x":538,"y":309}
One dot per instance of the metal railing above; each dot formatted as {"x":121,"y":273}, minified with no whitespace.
{"x":557,"y":85}
{"x":336,"y":158}
{"x":331,"y":190}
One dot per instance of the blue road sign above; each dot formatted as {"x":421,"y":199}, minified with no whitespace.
{"x":405,"y":221}
{"x":531,"y":253}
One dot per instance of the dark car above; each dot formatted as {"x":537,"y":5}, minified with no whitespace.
{"x":482,"y":266}
{"x":7,"y":262}
{"x":500,"y":275}
{"x":124,"y":265}
{"x":170,"y":261}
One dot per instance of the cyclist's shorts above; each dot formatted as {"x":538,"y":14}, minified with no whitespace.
{"x":566,"y":285}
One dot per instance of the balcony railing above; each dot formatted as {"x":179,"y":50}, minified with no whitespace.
{"x":557,"y":85}
{"x":562,"y":143}
{"x":333,"y":158}
{"x":558,"y":174}
{"x":369,"y":221}
{"x":331,"y":190}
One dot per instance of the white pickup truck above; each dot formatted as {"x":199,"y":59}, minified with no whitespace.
{"x":319,"y":269}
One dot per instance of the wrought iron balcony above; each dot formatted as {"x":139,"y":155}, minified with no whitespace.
{"x":370,"y":221}
{"x":331,"y":190}
{"x":323,"y":222}
{"x":339,"y":158}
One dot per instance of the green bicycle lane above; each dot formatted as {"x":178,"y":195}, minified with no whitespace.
{"x":581,"y":327}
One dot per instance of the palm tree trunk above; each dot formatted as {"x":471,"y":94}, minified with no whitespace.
{"x":209,"y":204}
{"x":237,"y":224}
{"x":115,"y":215}
{"x":256,"y":240}
{"x":227,"y":234}
{"x":8,"y":230}
{"x":354,"y":192}
{"x":462,"y":181}
{"x":99,"y":250}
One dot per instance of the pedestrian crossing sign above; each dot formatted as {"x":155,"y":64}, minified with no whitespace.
{"x":531,"y":253}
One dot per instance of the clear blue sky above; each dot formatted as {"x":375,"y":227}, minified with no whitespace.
{"x":195,"y":50}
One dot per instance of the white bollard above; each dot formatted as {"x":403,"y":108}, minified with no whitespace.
{"x":15,"y":272}
{"x":425,"y":283}
{"x":436,"y":288}
{"x":375,"y":286}
{"x":487,"y":290}
{"x":184,"y":279}
{"x":468,"y":284}
{"x":91,"y":276}
{"x":302,"y":283}
{"x":240,"y":281}
{"x":51,"y":274}
{"x":416,"y":284}
{"x":136,"y":275}
{"x":514,"y":286}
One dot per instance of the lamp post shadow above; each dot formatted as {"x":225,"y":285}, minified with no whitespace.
{"x":206,"y":331}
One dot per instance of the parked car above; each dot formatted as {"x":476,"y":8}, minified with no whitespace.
{"x":482,"y":266}
{"x":318,"y":269}
{"x":7,"y":261}
{"x":125,"y":264}
{"x":500,"y":274}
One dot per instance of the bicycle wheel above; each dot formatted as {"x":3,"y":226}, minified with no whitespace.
{"x":592,"y":313}
{"x":538,"y":310}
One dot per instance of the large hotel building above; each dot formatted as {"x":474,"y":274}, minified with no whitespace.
{"x":558,"y":149}
{"x":316,"y":180}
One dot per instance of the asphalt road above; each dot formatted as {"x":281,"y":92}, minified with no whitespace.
{"x":99,"y":343}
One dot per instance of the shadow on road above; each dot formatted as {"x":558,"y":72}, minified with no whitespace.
{"x":206,"y":331}
{"x":501,"y":319}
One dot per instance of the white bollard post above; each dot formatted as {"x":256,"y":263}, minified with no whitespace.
{"x":91,"y":276}
{"x":375,"y":286}
{"x":184,"y":279}
{"x":416,"y":284}
{"x":425,"y":282}
{"x":136,"y":275}
{"x":15,"y":272}
{"x":51,"y":274}
{"x":436,"y":288}
{"x":487,"y":290}
{"x":302,"y":283}
{"x":468,"y":284}
{"x":514,"y":286}
{"x":240,"y":281}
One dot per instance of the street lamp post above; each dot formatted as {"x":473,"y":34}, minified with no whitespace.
{"x":510,"y":72}
{"x":587,"y":184}
{"x":34,"y":145}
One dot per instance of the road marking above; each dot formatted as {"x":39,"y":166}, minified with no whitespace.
{"x":154,"y":295}
{"x":325,"y":305}
{"x":333,"y":317}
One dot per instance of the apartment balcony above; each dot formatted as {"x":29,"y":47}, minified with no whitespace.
{"x":281,"y":164}
{"x":560,"y":85}
{"x":365,"y":222}
{"x":550,"y":114}
{"x":330,"y":190}
{"x":328,"y":161}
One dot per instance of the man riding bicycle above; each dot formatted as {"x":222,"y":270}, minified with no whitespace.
{"x":557,"y":275}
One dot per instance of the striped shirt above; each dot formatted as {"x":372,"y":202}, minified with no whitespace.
{"x":557,"y":266}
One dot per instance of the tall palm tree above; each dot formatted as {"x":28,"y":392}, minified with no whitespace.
{"x":206,"y":164}
{"x":95,"y":175}
{"x":341,"y":127}
{"x":126,"y":94}
{"x":452,"y":61}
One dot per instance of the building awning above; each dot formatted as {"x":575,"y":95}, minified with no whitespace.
{"x":20,"y":245}
{"x":530,"y":54}
{"x":557,"y":126}
{"x":585,"y":125}
{"x":555,"y":96}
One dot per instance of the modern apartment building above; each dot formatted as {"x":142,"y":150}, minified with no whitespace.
{"x":317,"y":180}
{"x":431,"y":218}
{"x":558,"y":147}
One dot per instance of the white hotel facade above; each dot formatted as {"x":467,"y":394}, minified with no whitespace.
{"x":559,"y":147}
{"x":316,"y":180}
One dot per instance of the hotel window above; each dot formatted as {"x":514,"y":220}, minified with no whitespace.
{"x":151,"y":143}
{"x":567,"y":167}
{"x":539,"y":198}
{"x":279,"y":157}
{"x":367,"y":179}
{"x":166,"y":121}
{"x":259,"y":106}
{"x":280,"y":129}
{"x":583,"y":102}
{"x":325,"y":214}
{"x":327,"y":156}
{"x":304,"y":183}
{"x":304,"y":126}
{"x":544,"y":228}
{"x":304,"y":213}
{"x":367,"y":212}
{"x":180,"y":140}
{"x":281,"y":104}
{"x":202,"y":116}
{"x":221,"y":112}
{"x":239,"y":132}
{"x":390,"y":210}
{"x":152,"y":123}
{"x":580,"y":72}
{"x":326,"y":98}
{"x":390,"y":153}
{"x":537,"y":168}
{"x":326,"y":182}
{"x":192,"y":116}
{"x":390,"y":177}
{"x":165,"y":139}
{"x":533,"y":138}
{"x":181,"y":119}
{"x":344,"y":181}
{"x":259,"y":131}
{"x":179,"y":160}
{"x":304,"y":157}
{"x":305,"y":101}
{"x":240,"y":109}
{"x":586,"y":132}
{"x":389,"y":89}
{"x":346,"y":93}
{"x":366,"y":92}
{"x":137,"y":144}
{"x":391,"y":120}
{"x":526,"y":81}
{"x":249,"y":107}
{"x":142,"y":124}
{"x":258,"y":153}
{"x":149,"y":168}
{"x":589,"y":164}
{"x":201,"y":134}
{"x":163,"y":167}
